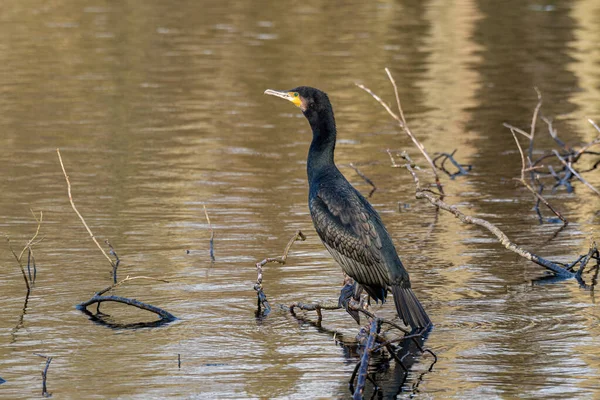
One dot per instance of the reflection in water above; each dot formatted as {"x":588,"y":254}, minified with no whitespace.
{"x":160,"y":111}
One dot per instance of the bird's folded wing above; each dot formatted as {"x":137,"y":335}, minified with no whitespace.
{"x":348,"y":230}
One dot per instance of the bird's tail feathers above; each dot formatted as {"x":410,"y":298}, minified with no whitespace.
{"x":409,"y":308}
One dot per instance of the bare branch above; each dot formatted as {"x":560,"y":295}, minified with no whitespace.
{"x":363,"y":366}
{"x":504,"y":240}
{"x":402,"y":123}
{"x":45,"y":392}
{"x":518,"y":130}
{"x":538,"y":195}
{"x":212,"y":235}
{"x":20,"y":265}
{"x":591,"y":121}
{"x":128,"y":279}
{"x":262,"y":298}
{"x":164,"y":315}
{"x":37,"y":231}
{"x":568,"y":165}
{"x":77,"y":212}
{"x":533,"y":121}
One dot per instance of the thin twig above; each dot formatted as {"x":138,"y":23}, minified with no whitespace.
{"x":128,"y":279}
{"x":28,"y":246}
{"x":45,"y":392}
{"x":532,"y":190}
{"x":77,"y":212}
{"x":318,"y":307}
{"x":20,"y":265}
{"x":117,"y":260}
{"x":261,"y":297}
{"x":554,"y":134}
{"x":402,"y":123}
{"x":533,"y":122}
{"x":591,"y":121}
{"x":568,"y":165}
{"x":518,"y":130}
{"x":212,"y":235}
{"x":450,"y":156}
{"x":37,"y":231}
{"x":410,"y":134}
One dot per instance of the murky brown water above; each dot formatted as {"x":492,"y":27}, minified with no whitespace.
{"x":158,"y":109}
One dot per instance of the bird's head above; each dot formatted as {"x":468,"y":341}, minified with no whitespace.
{"x":310,"y":100}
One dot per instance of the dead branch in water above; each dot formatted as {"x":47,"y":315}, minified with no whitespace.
{"x":164,"y":315}
{"x":558,"y":269}
{"x":567,"y":155}
{"x":45,"y":392}
{"x":117,"y":260}
{"x":212,"y":235}
{"x":314,"y":307}
{"x":112,"y":264}
{"x":537,"y":194}
{"x":27,"y":277}
{"x":263,"y":307}
{"x":371,"y":341}
{"x":401,"y":120}
{"x":570,"y":167}
{"x":363,"y":366}
{"x":450,"y":157}
{"x":98,"y":298}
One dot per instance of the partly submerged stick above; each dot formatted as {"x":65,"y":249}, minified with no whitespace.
{"x":568,"y":165}
{"x":45,"y":392}
{"x":502,"y":238}
{"x":538,"y":196}
{"x":212,"y":235}
{"x":77,"y":212}
{"x":29,"y":245}
{"x":262,"y":297}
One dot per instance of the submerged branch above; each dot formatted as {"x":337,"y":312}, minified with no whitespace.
{"x":502,"y":238}
{"x":570,"y":167}
{"x":112,"y":264}
{"x":28,"y":247}
{"x":363,"y":365}
{"x":96,"y":299}
{"x":212,"y":235}
{"x":263,"y":307}
{"x":45,"y":392}
{"x":538,"y":195}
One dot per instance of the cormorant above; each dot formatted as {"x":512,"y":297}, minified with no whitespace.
{"x":348,"y":225}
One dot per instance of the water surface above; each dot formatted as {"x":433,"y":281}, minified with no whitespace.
{"x":158,"y":110}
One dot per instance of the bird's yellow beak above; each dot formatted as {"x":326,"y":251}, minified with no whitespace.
{"x":294,"y":97}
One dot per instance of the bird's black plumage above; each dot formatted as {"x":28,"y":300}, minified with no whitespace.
{"x":346,"y":222}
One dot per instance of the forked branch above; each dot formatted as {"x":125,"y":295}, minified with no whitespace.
{"x":401,"y":120}
{"x":263,"y":304}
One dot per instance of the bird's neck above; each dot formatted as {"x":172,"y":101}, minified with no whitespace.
{"x":320,"y":154}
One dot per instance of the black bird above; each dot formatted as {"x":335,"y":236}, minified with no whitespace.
{"x":346,"y":222}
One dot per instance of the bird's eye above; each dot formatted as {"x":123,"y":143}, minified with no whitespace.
{"x":295,"y":94}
